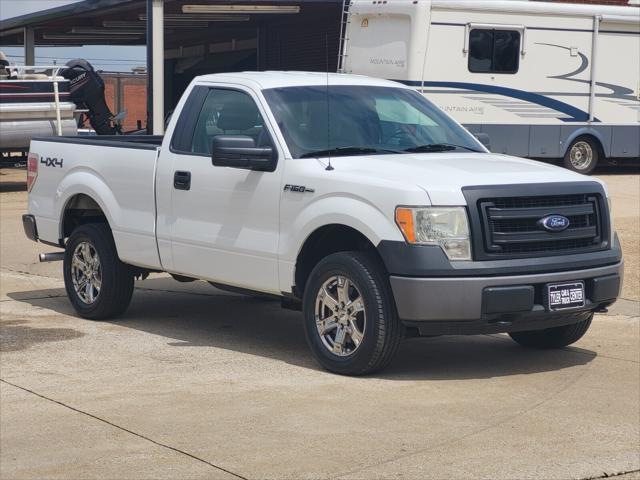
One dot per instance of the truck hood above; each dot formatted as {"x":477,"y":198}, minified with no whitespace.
{"x":443,"y":175}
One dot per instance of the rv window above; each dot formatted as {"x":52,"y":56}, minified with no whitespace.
{"x":494,"y":51}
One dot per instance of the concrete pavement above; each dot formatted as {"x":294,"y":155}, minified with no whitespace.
{"x":624,"y":190}
{"x":197,"y":383}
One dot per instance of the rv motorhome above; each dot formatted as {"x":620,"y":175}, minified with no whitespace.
{"x":542,"y":80}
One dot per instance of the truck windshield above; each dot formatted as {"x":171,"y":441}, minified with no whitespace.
{"x":363,"y":120}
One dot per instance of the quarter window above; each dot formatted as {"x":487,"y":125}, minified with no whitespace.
{"x":494,"y":51}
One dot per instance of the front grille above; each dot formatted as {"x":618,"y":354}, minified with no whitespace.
{"x":529,"y":224}
{"x":544,"y":201}
{"x":511,"y":225}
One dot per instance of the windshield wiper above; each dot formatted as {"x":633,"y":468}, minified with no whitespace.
{"x":345,"y":151}
{"x":439,"y":147}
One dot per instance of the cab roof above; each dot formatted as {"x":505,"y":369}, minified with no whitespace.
{"x":276,"y":79}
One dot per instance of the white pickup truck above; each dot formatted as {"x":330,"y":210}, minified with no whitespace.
{"x":352,"y":198}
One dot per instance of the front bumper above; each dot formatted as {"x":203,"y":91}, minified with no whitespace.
{"x":465,"y":305}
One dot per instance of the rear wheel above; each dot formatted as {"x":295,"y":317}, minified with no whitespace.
{"x":350,"y":320}
{"x":556,"y":337}
{"x":98,"y":284}
{"x":582,"y":155}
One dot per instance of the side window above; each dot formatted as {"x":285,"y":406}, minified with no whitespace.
{"x":494,"y":51}
{"x":227,"y":112}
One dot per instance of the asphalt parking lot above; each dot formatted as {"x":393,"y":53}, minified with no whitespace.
{"x":197,"y":383}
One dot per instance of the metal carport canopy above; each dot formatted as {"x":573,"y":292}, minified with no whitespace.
{"x":130,"y":22}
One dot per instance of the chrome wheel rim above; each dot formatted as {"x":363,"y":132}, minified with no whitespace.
{"x":581,"y":155}
{"x":340,"y":316}
{"x":86,"y":272}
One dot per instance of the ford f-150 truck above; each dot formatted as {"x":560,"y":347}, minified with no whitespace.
{"x":351,"y":198}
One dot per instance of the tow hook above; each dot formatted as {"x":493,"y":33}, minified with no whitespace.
{"x":51,"y":257}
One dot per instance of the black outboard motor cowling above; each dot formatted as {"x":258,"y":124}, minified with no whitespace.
{"x":87,"y":91}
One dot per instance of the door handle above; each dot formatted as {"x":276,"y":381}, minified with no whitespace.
{"x":182,"y":180}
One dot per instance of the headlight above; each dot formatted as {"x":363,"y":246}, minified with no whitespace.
{"x":447,"y":227}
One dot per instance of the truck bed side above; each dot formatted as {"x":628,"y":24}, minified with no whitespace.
{"x":118,"y":175}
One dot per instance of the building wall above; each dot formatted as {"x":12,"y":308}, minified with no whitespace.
{"x":127,"y":92}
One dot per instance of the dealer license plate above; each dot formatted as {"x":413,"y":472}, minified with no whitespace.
{"x":565,"y":295}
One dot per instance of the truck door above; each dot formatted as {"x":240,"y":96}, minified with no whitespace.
{"x":223,"y":222}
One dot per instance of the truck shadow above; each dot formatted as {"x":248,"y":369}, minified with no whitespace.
{"x":623,"y":169}
{"x":258,"y":326}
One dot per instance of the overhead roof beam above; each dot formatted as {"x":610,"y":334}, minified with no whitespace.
{"x":108,"y":31}
{"x":167,"y":23}
{"x":203,"y":17}
{"x":258,"y":9}
{"x":78,"y":36}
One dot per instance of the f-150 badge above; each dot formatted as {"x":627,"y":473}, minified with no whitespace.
{"x":298,"y":189}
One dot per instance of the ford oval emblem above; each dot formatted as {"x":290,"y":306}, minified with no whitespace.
{"x":554,"y":223}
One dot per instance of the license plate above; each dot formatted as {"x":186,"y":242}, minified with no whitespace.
{"x":565,"y":295}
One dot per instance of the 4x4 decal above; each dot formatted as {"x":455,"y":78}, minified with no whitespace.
{"x":51,"y":162}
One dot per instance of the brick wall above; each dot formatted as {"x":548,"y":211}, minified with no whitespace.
{"x":127,"y":92}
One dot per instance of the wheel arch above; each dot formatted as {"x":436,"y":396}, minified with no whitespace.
{"x":594,"y":134}
{"x":353,"y":214}
{"x":80,"y":209}
{"x":88,"y":192}
{"x":326,"y":240}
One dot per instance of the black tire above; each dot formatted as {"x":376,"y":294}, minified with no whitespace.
{"x":556,"y":337}
{"x":117,"y":278}
{"x":579,"y":150}
{"x":382,"y":331}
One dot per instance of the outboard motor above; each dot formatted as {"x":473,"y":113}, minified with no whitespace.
{"x":87,"y":91}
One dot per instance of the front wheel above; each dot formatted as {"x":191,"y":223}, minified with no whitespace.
{"x":582,"y":155}
{"x":98,"y":284}
{"x":556,"y":337}
{"x":351,"y":323}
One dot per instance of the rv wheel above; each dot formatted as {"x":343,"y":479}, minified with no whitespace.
{"x":582,"y":155}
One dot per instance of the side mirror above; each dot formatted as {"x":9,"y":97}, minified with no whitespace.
{"x":240,"y":151}
{"x":484,"y":139}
